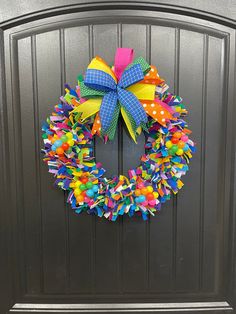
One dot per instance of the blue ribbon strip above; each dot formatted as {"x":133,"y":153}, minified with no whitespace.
{"x":115,"y":93}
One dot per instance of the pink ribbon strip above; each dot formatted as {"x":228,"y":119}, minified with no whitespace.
{"x":164,"y":105}
{"x":123,"y":57}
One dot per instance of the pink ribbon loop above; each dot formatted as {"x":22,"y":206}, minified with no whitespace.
{"x":123,"y":57}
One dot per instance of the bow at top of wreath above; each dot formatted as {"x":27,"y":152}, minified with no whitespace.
{"x":129,"y":87}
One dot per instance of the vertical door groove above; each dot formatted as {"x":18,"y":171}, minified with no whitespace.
{"x":20,"y":258}
{"x":147,"y":233}
{"x":107,"y":233}
{"x":213,"y":153}
{"x":161,"y":226}
{"x":62,"y":59}
{"x":223,"y":78}
{"x":203,"y":158}
{"x":221,"y":190}
{"x":226,"y":172}
{"x":66,"y":208}
{"x":49,"y":90}
{"x":134,"y":229}
{"x":37,"y":154}
{"x":80,"y":226}
{"x":175,"y":198}
{"x":120,"y":171}
{"x":120,"y":124}
{"x":93,"y":220}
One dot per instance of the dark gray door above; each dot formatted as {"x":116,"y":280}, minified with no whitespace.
{"x":182,"y":259}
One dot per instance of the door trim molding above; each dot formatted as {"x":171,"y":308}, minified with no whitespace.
{"x":121,"y":307}
{"x":124,"y":5}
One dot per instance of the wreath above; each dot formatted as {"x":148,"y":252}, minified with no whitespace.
{"x":133,"y":90}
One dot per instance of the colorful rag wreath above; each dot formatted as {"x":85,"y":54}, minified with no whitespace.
{"x":134,"y":89}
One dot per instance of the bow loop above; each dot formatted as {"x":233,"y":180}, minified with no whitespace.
{"x":131,"y":76}
{"x":123,"y":57}
{"x":99,"y":80}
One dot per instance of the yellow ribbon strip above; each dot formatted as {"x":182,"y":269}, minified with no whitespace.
{"x":143,"y":91}
{"x":128,"y":124}
{"x":99,"y":64}
{"x":89,"y":107}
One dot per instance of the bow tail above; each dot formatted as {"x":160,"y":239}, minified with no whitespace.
{"x":132,"y":106}
{"x":88,"y":108}
{"x":112,"y":128}
{"x":96,"y":129}
{"x":109,"y":113}
{"x":157,"y":110}
{"x":130,"y":124}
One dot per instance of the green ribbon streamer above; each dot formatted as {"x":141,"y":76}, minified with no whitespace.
{"x":86,"y":92}
{"x":112,"y":128}
{"x":144,"y":65}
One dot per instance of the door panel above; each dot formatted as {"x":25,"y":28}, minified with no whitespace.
{"x":181,"y":255}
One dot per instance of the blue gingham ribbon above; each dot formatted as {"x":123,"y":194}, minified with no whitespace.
{"x":116,"y":93}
